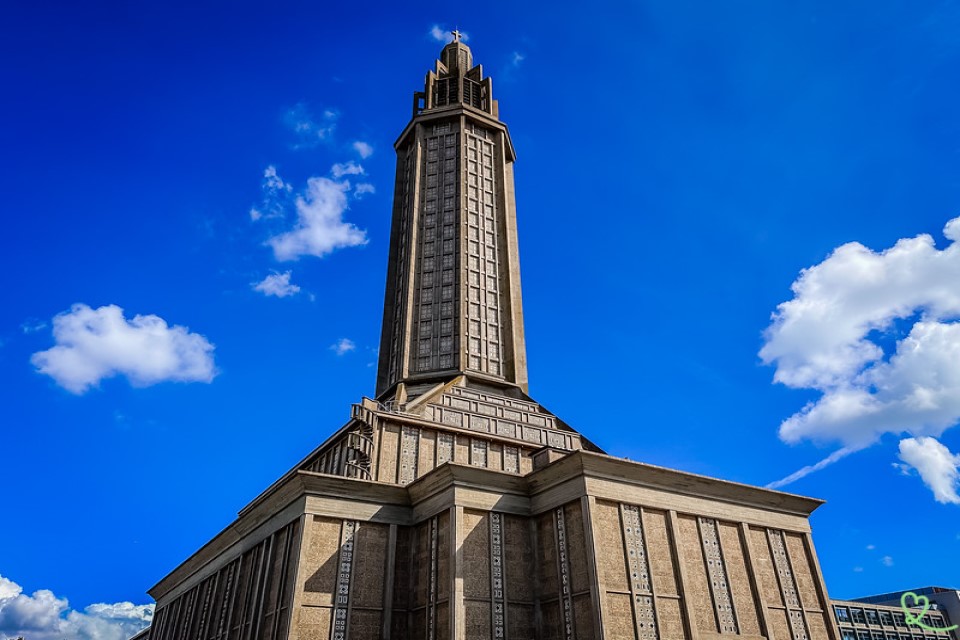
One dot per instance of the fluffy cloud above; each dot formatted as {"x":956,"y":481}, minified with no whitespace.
{"x":43,"y":616}
{"x":320,"y":227}
{"x":841,"y":335}
{"x":937,"y":466}
{"x":310,"y":129}
{"x":346,"y":169}
{"x":363,"y":149}
{"x":276,"y":284}
{"x":342,"y":346}
{"x":93,"y":344}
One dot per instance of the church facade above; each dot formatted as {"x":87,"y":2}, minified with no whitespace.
{"x":453,"y":505}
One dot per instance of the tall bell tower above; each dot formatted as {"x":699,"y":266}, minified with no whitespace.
{"x":452,"y":303}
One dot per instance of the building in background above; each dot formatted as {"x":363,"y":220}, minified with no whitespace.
{"x":881,"y":617}
{"x":453,"y":505}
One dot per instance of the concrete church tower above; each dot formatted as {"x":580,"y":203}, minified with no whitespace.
{"x":454,"y":506}
{"x":453,"y":286}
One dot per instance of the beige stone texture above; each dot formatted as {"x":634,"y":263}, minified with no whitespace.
{"x":389,"y":453}
{"x":547,"y":546}
{"x":779,"y":626}
{"x":697,"y":586}
{"x":314,"y":623}
{"x":478,"y":619}
{"x":618,"y":616}
{"x":671,"y":619}
{"x":816,"y":626}
{"x":660,"y":552}
{"x":320,"y":567}
{"x":476,"y":555}
{"x":461,"y":449}
{"x":369,"y":559}
{"x":744,"y":601}
{"x":611,"y":555}
{"x":579,"y":569}
{"x":495,"y":457}
{"x":800,"y":563}
{"x":766,"y":572}
{"x":518,"y":560}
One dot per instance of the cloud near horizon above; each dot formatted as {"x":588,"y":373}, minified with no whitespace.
{"x":44,"y":616}
{"x":95,"y":344}
{"x":877,"y":334}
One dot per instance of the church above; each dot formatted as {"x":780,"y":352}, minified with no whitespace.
{"x":452,"y":505}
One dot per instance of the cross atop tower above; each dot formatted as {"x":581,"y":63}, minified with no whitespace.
{"x":456,"y":35}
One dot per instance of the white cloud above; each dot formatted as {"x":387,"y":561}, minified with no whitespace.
{"x":342,"y":346}
{"x":363,"y":149}
{"x":350,"y":168}
{"x":858,"y":569}
{"x":871,"y":547}
{"x":43,"y":616}
{"x":938,"y":467}
{"x":94,"y":344}
{"x":837,"y":336}
{"x":887,"y":561}
{"x":363,"y":189}
{"x":440,"y":34}
{"x":276,"y":284}
{"x":32,"y":326}
{"x":320,"y":227}
{"x":309,"y":129}
{"x":275,"y":194}
{"x":807,"y":470}
{"x":517,"y":58}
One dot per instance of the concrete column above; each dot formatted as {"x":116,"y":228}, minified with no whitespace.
{"x":458,"y":612}
{"x":597,"y":593}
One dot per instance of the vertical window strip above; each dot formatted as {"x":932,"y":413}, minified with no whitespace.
{"x":341,"y":609}
{"x":640,"y":583}
{"x":566,"y":596}
{"x":497,"y":585}
{"x":788,"y":586}
{"x":717,"y":574}
{"x":433,"y":586}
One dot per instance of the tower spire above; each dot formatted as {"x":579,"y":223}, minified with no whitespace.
{"x":452,"y":302}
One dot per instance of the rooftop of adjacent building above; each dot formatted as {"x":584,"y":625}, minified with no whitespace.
{"x":896,"y":595}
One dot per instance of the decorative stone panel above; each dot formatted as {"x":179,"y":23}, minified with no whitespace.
{"x":717,"y":575}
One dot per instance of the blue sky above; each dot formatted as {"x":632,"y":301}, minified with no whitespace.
{"x":679,"y":164}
